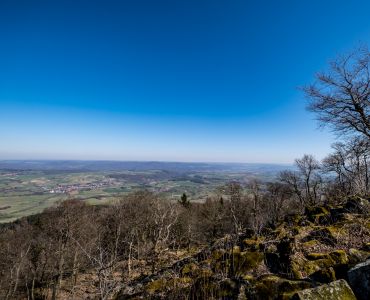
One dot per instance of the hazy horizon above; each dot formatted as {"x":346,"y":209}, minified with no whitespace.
{"x":144,"y":161}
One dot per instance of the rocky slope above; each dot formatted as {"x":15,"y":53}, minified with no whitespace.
{"x":321,"y":254}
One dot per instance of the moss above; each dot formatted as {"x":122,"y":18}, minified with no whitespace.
{"x":218,"y":254}
{"x":302,"y":267}
{"x":337,"y":290}
{"x":189,"y":269}
{"x":228,"y":288}
{"x":245,"y":261}
{"x":156,"y":285}
{"x":309,"y":211}
{"x":293,"y":285}
{"x":251,"y":244}
{"x":235,"y":249}
{"x":326,"y":235}
{"x":267,"y":288}
{"x":274,"y":287}
{"x":321,"y":219}
{"x":325,"y":275}
{"x":204,"y":273}
{"x":310,"y":244}
{"x":368,"y":227}
{"x":248,"y":278}
{"x":270,"y":248}
{"x":181,"y":282}
{"x":339,"y":257}
{"x":316,"y":256}
{"x":287,"y":296}
{"x":366,"y":246}
{"x":356,"y":256}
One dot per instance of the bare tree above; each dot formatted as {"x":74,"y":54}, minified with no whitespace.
{"x":308,"y":167}
{"x":341,"y":96}
{"x":293,"y":180}
{"x":350,"y":163}
{"x":277,"y":196}
{"x":233,"y":191}
{"x":258,"y":218}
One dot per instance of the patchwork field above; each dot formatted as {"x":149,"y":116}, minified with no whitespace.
{"x":27,"y":189}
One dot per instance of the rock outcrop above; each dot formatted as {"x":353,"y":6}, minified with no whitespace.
{"x":336,"y":290}
{"x":310,"y":256}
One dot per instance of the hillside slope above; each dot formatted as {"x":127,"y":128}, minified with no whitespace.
{"x":295,"y":260}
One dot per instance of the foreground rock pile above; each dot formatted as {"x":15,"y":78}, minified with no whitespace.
{"x":321,"y":254}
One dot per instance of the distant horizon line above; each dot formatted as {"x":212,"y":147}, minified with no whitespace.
{"x":142,"y":161}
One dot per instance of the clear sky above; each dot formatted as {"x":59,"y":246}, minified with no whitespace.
{"x":191,"y":80}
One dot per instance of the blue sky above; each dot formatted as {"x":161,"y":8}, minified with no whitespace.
{"x":168,"y":80}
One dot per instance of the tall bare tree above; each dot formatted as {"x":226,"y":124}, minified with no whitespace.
{"x":341,"y":96}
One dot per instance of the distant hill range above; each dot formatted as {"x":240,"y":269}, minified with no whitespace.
{"x":79,"y":165}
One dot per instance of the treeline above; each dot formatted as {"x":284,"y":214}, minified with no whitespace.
{"x":57,"y":253}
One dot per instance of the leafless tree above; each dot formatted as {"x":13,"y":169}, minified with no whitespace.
{"x":258,"y":214}
{"x":341,"y":96}
{"x":308,"y":167}
{"x":293,"y":180}
{"x":350,"y":163}
{"x":276,"y":197}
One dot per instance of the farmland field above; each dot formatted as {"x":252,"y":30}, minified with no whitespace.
{"x":28,"y":187}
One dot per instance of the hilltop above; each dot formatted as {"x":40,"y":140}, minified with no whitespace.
{"x":301,"y":255}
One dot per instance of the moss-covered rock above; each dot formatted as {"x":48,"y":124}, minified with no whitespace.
{"x":337,"y":214}
{"x":316,"y":262}
{"x":293,"y":219}
{"x":275,"y":287}
{"x":252,"y":245}
{"x":302,"y":267}
{"x":318,"y":215}
{"x":339,"y":257}
{"x":356,"y":256}
{"x":228,"y":288}
{"x":337,"y":290}
{"x":280,"y":261}
{"x":190,"y":269}
{"x":218,"y":254}
{"x":357,"y":205}
{"x":316,"y":256}
{"x":310,"y":246}
{"x":325,"y":275}
{"x":241,"y":263}
{"x":310,"y":211}
{"x":156,"y":286}
{"x":326,"y":235}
